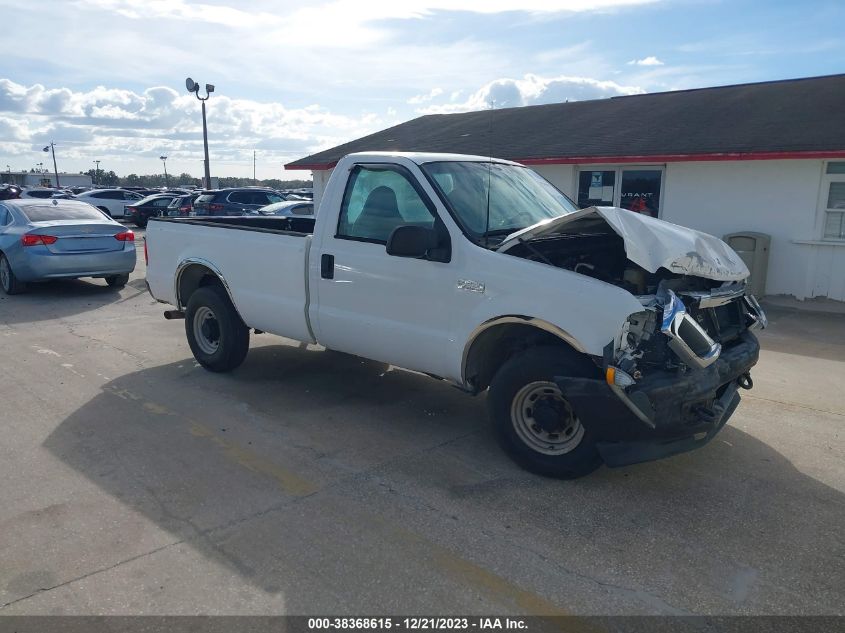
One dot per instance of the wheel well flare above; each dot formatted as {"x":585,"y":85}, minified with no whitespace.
{"x":495,"y":341}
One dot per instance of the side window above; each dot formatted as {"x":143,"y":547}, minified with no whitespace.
{"x":833,"y":201}
{"x":377,"y":200}
{"x":4,"y":216}
{"x":239,"y":197}
{"x":161,"y":202}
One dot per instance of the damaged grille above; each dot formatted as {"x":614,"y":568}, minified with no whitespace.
{"x":723,"y":323}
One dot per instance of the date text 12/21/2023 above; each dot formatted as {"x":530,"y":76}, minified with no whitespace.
{"x":417,"y":623}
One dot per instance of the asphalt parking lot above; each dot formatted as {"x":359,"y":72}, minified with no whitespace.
{"x":311,"y":482}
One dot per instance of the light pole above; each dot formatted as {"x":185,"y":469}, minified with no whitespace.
{"x":194,"y":87}
{"x":96,"y":172}
{"x":254,"y":179}
{"x":166,"y":179}
{"x":52,"y":146}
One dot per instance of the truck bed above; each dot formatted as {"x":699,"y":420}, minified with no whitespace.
{"x":264,"y":223}
{"x":262,"y":261}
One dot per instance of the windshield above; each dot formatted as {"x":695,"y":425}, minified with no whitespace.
{"x":519,"y":197}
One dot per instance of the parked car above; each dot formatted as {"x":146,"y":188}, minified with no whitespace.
{"x":288,"y":208}
{"x":143,"y":191}
{"x":49,"y":239}
{"x":181,"y":206}
{"x":9,"y":191}
{"x":234,"y":201}
{"x":111,"y":201}
{"x":602,"y":335}
{"x":140,"y":212}
{"x":306,"y":193}
{"x":77,"y":190}
{"x":38,"y":192}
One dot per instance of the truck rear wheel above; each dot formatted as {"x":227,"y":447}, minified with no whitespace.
{"x":217,"y":336}
{"x":533,"y":420}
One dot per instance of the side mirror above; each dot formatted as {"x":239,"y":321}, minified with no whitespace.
{"x":411,"y":241}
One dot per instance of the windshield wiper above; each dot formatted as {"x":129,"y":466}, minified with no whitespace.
{"x":493,"y":232}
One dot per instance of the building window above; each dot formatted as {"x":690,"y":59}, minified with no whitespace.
{"x":596,"y":188}
{"x":833,"y":199}
{"x":637,"y":189}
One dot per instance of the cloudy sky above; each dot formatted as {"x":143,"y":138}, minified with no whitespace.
{"x":104,"y":79}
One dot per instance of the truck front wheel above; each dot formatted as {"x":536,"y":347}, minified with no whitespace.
{"x":534,"y":421}
{"x":216,"y":334}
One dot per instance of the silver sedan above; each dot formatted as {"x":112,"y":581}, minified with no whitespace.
{"x":49,"y":239}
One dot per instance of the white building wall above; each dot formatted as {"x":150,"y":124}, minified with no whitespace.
{"x":320,"y":179}
{"x":777,"y":197}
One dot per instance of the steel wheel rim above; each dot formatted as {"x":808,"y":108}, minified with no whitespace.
{"x":206,"y":330}
{"x":563,"y":439}
{"x":5,"y":277}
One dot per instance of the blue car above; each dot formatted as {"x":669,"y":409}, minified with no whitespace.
{"x":51,"y":239}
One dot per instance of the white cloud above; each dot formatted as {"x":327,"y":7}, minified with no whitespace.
{"x":431,"y":94}
{"x":123,"y":126}
{"x":651,"y":60}
{"x":336,"y":23}
{"x":534,"y":90}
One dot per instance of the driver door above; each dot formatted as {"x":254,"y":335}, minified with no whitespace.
{"x":377,"y":305}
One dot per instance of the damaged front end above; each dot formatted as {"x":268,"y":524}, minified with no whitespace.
{"x":672,"y":377}
{"x":673,"y":373}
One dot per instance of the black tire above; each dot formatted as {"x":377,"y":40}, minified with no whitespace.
{"x":10,"y":284}
{"x":526,"y":379}
{"x":141,"y":223}
{"x":223,"y":324}
{"x":117,"y":281}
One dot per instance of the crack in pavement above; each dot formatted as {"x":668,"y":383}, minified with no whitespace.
{"x":89,"y":574}
{"x":792,"y":404}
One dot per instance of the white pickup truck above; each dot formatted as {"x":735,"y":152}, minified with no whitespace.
{"x":602,"y":335}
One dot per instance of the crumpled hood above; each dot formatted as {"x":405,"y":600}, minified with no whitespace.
{"x":651,"y":243}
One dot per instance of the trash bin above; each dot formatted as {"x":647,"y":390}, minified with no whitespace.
{"x":753,"y":248}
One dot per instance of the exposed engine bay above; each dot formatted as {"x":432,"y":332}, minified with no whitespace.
{"x":597,"y":251}
{"x":686,"y":318}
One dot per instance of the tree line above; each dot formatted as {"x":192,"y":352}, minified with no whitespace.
{"x":104,"y":178}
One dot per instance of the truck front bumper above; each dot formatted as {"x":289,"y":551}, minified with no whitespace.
{"x":665,"y":413}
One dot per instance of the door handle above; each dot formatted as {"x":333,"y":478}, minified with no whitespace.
{"x":327,"y":266}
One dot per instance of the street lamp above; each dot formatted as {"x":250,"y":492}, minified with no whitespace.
{"x":96,"y":172}
{"x":194,"y":87}
{"x":52,"y":146}
{"x":166,"y":179}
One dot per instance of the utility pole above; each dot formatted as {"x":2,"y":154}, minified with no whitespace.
{"x":254,"y":179}
{"x":96,"y":172}
{"x":52,"y":146}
